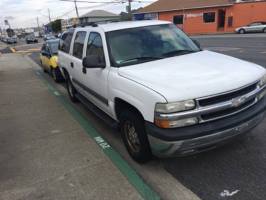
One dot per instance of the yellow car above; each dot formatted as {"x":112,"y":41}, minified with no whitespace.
{"x":48,"y":59}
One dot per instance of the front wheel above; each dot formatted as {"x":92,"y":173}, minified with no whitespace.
{"x":134,"y":136}
{"x":264,"y":30}
{"x":242,"y":31}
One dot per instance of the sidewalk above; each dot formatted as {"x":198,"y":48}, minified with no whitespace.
{"x":44,"y":152}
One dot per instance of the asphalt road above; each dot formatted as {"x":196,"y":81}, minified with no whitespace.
{"x":236,"y":171}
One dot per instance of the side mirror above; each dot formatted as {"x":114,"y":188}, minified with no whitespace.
{"x":93,"y":61}
{"x":196,"y":43}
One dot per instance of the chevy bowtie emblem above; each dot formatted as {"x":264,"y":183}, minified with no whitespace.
{"x":238,"y":101}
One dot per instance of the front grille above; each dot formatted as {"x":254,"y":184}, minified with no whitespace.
{"x":227,"y":96}
{"x":226,"y":112}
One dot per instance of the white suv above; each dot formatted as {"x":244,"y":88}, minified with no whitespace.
{"x":170,"y":97}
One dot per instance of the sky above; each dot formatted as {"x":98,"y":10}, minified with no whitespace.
{"x":24,"y":13}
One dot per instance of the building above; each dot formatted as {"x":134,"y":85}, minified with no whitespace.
{"x":67,"y":23}
{"x":205,"y":16}
{"x":98,"y":15}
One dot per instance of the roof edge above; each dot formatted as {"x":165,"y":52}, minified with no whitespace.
{"x":214,"y":6}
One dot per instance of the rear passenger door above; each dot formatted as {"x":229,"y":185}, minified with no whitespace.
{"x":64,"y":58}
{"x":76,"y":63}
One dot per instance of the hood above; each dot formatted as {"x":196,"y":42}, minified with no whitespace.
{"x":193,"y":75}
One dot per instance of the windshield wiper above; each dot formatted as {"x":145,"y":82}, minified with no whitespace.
{"x":178,"y":52}
{"x":141,"y":58}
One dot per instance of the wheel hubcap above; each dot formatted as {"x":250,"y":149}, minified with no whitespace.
{"x":132,"y":136}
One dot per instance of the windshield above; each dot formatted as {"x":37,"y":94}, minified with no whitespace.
{"x":144,"y":44}
{"x":54,"y":47}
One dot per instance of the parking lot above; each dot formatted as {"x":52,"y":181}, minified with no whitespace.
{"x":235,"y":171}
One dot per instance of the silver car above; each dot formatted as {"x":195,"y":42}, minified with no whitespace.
{"x":255,"y":27}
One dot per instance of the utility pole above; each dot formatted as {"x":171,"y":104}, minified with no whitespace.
{"x":76,"y":7}
{"x":49,"y":15}
{"x":38,"y":26}
{"x":129,"y":6}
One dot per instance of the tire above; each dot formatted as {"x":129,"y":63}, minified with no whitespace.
{"x":242,"y":31}
{"x":264,"y":30}
{"x":71,"y":90}
{"x":56,"y":74}
{"x":136,"y":142}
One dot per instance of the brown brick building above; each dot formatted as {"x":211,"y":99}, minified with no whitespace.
{"x":206,"y":16}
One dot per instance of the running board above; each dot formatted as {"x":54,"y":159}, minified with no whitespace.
{"x":98,"y":112}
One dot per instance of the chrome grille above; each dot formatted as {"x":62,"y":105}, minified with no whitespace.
{"x":228,"y":103}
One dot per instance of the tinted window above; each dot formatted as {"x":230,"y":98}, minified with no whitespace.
{"x":65,"y":43}
{"x":95,"y":46}
{"x":209,"y":17}
{"x":255,"y":24}
{"x":78,"y":44}
{"x":178,"y":19}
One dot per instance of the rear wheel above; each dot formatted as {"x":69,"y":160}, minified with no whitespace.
{"x":264,"y":30}
{"x":134,"y":136}
{"x":71,"y":90}
{"x":56,"y":74}
{"x":242,"y":31}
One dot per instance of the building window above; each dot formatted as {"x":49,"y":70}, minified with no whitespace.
{"x":178,"y":19}
{"x":209,"y":17}
{"x":230,"y":21}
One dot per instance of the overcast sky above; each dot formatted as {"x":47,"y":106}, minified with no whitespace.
{"x":23,"y":13}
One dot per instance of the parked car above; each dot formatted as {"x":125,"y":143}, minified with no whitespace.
{"x":49,"y":37}
{"x":255,"y":27}
{"x":31,"y":39}
{"x":48,"y":59}
{"x":169,"y":97}
{"x":11,"y":40}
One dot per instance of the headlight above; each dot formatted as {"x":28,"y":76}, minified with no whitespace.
{"x":168,"y":123}
{"x":175,"y":107}
{"x":262,"y":81}
{"x":167,"y":108}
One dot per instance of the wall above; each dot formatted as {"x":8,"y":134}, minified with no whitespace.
{"x":243,"y":14}
{"x":193,"y":20}
{"x":246,"y":13}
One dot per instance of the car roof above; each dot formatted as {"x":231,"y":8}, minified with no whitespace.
{"x":113,"y":26}
{"x":52,"y":41}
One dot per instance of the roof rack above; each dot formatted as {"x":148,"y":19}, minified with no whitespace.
{"x":95,"y":24}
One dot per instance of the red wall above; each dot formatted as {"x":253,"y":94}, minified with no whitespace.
{"x":243,"y":14}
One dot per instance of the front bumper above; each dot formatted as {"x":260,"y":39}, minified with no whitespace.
{"x":202,"y":137}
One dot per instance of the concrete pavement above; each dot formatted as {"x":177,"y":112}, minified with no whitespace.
{"x":44,"y":152}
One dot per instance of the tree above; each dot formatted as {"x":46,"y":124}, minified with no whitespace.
{"x":56,"y":26}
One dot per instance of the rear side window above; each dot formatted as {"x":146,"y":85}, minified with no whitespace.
{"x":95,"y":46}
{"x":78,"y":44}
{"x":65,"y":43}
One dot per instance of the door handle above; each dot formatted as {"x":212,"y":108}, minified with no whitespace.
{"x":72,"y":64}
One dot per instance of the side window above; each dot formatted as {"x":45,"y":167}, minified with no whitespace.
{"x":65,"y":44}
{"x":95,"y":46}
{"x":78,"y":44}
{"x":209,"y":17}
{"x":230,"y":21}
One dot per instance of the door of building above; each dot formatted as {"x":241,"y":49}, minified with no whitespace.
{"x":221,"y":19}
